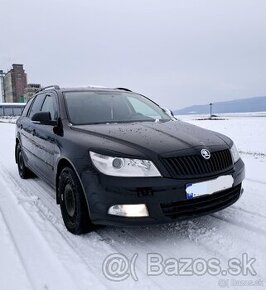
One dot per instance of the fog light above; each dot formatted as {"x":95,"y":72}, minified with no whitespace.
{"x":129,"y":210}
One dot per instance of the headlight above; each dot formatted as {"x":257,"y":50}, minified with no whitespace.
{"x":117,"y":166}
{"x":235,"y":154}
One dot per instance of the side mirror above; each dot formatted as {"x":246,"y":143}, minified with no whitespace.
{"x":43,"y":118}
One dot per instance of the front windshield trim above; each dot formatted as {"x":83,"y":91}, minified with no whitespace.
{"x":164,"y":116}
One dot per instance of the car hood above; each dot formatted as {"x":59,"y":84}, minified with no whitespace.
{"x":161,"y":138}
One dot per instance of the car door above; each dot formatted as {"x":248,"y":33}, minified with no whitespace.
{"x":27,"y":129}
{"x":46,"y":139}
{"x":22,"y":125}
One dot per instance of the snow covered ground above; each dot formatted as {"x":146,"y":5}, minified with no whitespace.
{"x":8,"y":119}
{"x":36,"y":251}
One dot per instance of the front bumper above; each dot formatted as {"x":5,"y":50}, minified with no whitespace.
{"x":165,"y":198}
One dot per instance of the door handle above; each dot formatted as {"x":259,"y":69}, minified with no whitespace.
{"x":21,"y":126}
{"x":33,"y":132}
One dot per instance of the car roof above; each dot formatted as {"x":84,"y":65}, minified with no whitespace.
{"x":82,"y":89}
{"x":93,"y":89}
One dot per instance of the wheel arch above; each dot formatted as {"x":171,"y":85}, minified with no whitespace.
{"x":65,"y":162}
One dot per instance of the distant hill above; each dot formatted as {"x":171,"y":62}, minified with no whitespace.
{"x":255,"y":104}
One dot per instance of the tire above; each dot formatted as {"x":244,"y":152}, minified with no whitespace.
{"x":23,"y":171}
{"x":72,"y":203}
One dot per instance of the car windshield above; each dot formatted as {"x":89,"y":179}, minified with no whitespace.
{"x":98,"y":107}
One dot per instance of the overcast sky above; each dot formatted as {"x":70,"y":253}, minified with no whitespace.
{"x":179,"y":53}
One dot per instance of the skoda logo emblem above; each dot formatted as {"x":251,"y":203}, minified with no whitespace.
{"x":206,"y":154}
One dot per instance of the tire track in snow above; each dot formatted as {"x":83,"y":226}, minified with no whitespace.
{"x":21,"y":265}
{"x":240,"y":224}
{"x":185,"y":236}
{"x":31,"y":247}
{"x":49,"y":213}
{"x":248,"y":212}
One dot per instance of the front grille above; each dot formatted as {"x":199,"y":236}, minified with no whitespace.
{"x":201,"y":205}
{"x":196,"y":166}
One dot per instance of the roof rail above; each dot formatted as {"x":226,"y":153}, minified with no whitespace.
{"x":123,"y":89}
{"x":49,"y":87}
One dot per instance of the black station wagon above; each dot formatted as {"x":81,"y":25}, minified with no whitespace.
{"x":115,"y":157}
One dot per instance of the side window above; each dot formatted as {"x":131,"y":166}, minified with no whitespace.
{"x":143,"y":109}
{"x":37,"y":104}
{"x":26,"y":108}
{"x":49,"y":105}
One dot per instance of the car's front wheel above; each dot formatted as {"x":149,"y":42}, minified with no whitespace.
{"x":72,"y":203}
{"x":23,"y":171}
